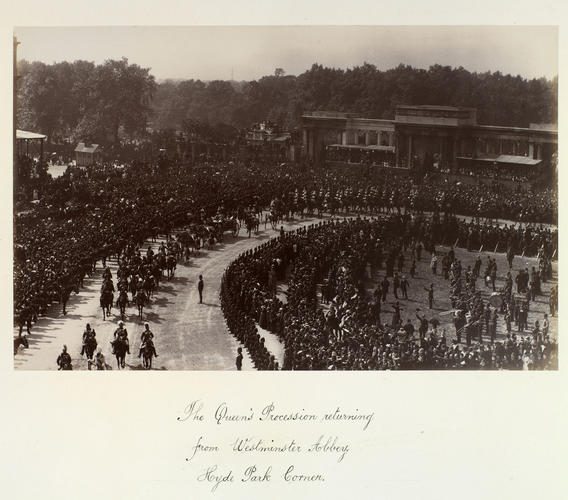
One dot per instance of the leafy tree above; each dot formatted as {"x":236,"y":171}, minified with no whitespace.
{"x":101,"y":102}
{"x":120,"y":97}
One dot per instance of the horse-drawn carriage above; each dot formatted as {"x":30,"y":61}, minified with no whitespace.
{"x":223,"y":224}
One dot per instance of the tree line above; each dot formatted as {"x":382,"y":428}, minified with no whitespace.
{"x":83,"y":100}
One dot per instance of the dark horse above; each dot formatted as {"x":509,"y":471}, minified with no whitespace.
{"x":171,"y":264}
{"x":122,"y":302}
{"x":273,"y":218}
{"x":140,"y":299}
{"x":252,"y":223}
{"x":20,"y":340}
{"x":120,"y":348}
{"x":147,"y":355}
{"x":106,"y":302}
{"x":90,"y":346}
{"x":65,"y":293}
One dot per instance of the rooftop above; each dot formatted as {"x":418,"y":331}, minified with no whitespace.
{"x":433,"y":106}
{"x":25,"y":135}
{"x":83,"y":148}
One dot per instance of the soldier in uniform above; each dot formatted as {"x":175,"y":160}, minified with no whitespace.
{"x":121,"y":334}
{"x":64,"y":360}
{"x":146,"y":339}
{"x":86,"y":334}
{"x":239,"y":359}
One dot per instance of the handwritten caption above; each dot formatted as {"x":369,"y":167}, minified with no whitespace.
{"x":245,"y":446}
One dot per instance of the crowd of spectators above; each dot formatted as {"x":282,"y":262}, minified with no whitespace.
{"x":85,"y":216}
{"x":514,"y":173}
{"x":361,"y":156}
{"x":351,"y":335}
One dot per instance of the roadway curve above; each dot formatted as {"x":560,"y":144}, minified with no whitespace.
{"x":188,"y":335}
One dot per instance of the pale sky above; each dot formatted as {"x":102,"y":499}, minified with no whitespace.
{"x":212,"y":52}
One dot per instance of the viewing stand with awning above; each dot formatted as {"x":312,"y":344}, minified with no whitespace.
{"x":23,"y":139}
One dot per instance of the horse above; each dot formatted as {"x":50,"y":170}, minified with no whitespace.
{"x":140,"y":300}
{"x":177,"y":250}
{"x":133,"y":285}
{"x":210,"y":236}
{"x":233,"y":225}
{"x":66,"y":365}
{"x":162,"y":262}
{"x":122,"y":302}
{"x":147,"y":355}
{"x":90,"y":346}
{"x":189,"y":241}
{"x":20,"y":340}
{"x":149,"y":285}
{"x":273,"y":218}
{"x":106,"y":300}
{"x":107,"y":274}
{"x":156,"y":274}
{"x":171,"y":266}
{"x":65,"y":293}
{"x":24,"y":317}
{"x":230,"y":224}
{"x":120,"y":348}
{"x":187,"y":254}
{"x":252,"y":224}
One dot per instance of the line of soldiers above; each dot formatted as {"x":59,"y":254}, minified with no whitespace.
{"x":352,"y":335}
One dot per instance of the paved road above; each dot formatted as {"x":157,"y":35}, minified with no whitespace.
{"x":188,"y":335}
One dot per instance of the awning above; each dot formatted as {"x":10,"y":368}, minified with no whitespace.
{"x":521,"y":160}
{"x":282,"y":138}
{"x":82,"y":148}
{"x":507,"y":159}
{"x":25,"y":135}
{"x":373,"y":147}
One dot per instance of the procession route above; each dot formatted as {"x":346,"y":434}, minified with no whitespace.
{"x":187,"y":335}
{"x":193,"y":336}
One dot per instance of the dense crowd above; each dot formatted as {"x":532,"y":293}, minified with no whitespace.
{"x":335,"y":258}
{"x":359,"y":155}
{"x":84,"y":216}
{"x":512,"y":173}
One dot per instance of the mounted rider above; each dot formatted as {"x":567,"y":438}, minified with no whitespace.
{"x":99,"y":360}
{"x":87,"y":335}
{"x":64,"y":360}
{"x":121,"y":335}
{"x":150,"y":253}
{"x":107,"y":274}
{"x":107,"y":286}
{"x":146,"y":340}
{"x":122,"y":284}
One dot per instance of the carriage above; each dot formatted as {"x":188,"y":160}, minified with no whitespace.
{"x":223,"y":224}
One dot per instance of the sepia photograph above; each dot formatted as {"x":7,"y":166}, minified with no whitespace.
{"x":285,"y":198}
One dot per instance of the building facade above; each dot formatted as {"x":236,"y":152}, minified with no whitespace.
{"x":267,"y":140}
{"x":424,"y":138}
{"x":87,"y":154}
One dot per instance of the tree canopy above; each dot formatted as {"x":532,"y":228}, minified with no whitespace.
{"x":85,"y":101}
{"x":82,"y":100}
